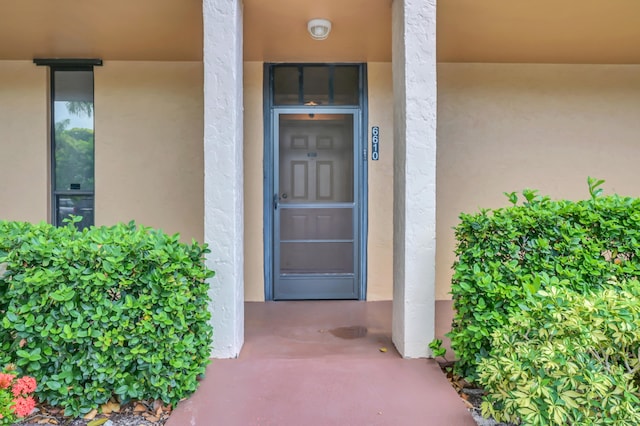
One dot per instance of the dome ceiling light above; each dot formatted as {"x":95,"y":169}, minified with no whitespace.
{"x":319,"y":28}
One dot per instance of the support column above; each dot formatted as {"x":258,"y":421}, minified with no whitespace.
{"x":223,"y":169}
{"x":414,"y":206}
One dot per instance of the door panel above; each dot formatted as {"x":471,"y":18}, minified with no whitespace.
{"x":316,"y":159}
{"x":297,"y":183}
{"x":316,"y":258}
{"x":316,"y":224}
{"x":315,"y":235}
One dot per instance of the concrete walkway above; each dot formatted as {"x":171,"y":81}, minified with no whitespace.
{"x":320,"y":363}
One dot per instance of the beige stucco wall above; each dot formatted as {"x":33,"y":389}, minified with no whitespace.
{"x":253,"y":183}
{"x":380,"y":242}
{"x":506,"y":127}
{"x":380,"y":247}
{"x":24,"y":143}
{"x":501,"y":127}
{"x":149,"y":144}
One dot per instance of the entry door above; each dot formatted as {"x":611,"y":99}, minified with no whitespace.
{"x":316,"y":229}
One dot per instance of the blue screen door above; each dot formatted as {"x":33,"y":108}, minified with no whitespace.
{"x":316,"y":250}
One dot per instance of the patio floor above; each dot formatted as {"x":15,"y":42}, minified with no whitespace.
{"x":320,"y":363}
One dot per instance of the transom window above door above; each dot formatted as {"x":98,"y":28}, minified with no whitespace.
{"x":316,"y":85}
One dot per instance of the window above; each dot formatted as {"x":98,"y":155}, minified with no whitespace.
{"x":316,"y":84}
{"x":72,"y":141}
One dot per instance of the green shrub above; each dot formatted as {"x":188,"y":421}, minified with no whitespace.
{"x":104,"y":312}
{"x":508,"y":253}
{"x":567,"y":359}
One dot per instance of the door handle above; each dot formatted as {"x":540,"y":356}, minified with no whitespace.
{"x":275,"y":201}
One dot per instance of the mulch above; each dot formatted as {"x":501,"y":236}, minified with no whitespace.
{"x":471,"y":395}
{"x":138,"y":413}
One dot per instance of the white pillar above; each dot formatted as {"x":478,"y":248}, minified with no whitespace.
{"x":414,"y":208}
{"x":223,"y":184}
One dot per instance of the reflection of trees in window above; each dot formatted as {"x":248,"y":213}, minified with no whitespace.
{"x":74,"y":156}
{"x":80,"y":108}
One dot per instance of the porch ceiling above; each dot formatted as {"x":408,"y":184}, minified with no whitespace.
{"x":568,"y":31}
{"x":108,"y":29}
{"x":546,"y":31}
{"x":276,"y":30}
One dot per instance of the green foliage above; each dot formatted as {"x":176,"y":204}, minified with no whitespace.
{"x":436,"y":348}
{"x":506,"y":254}
{"x":567,"y":359}
{"x":80,"y":108}
{"x":111,"y":311}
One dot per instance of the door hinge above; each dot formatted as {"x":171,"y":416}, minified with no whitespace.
{"x":364,"y":154}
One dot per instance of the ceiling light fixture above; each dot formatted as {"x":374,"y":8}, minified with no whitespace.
{"x":319,"y":28}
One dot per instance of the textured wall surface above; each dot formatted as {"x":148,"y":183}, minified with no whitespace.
{"x":506,"y":127}
{"x":148,"y":127}
{"x":253,"y":182}
{"x":223,"y":184}
{"x":380,"y":235}
{"x":24,"y":141}
{"x":414,"y":88}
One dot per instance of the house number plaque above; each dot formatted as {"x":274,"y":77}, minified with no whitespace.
{"x":375,"y":140}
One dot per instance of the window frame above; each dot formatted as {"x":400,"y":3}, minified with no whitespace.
{"x":331,"y":67}
{"x":56,"y":65}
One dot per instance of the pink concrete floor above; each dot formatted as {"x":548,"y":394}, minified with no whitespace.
{"x":319,"y":363}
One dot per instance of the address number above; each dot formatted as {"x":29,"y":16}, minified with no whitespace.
{"x":375,"y":143}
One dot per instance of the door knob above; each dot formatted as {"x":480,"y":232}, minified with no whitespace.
{"x":284,"y":195}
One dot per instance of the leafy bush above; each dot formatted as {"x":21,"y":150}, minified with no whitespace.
{"x":567,"y":358}
{"x":119,"y":311}
{"x":508,"y":253}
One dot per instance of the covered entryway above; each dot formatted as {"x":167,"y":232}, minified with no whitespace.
{"x":311,"y":191}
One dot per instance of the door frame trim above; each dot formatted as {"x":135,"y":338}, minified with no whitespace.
{"x":361,"y":179}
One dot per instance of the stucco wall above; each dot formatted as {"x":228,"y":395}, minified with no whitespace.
{"x":24,"y":141}
{"x":380,"y":247}
{"x":149,"y":145}
{"x":413,"y":33}
{"x":224,"y":176}
{"x":506,"y":127}
{"x":380,"y":243}
{"x":253,"y":183}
